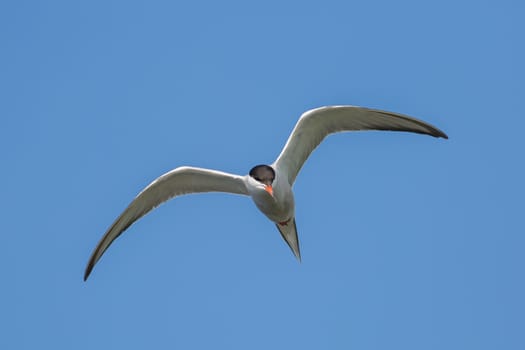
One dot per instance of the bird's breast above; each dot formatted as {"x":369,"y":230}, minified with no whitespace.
{"x":279,"y":207}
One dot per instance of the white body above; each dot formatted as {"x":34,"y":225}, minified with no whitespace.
{"x":278,"y":208}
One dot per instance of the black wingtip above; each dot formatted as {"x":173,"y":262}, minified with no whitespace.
{"x":434,"y":132}
{"x":442,"y":135}
{"x":89,"y":268}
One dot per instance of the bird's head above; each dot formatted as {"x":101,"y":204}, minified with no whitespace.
{"x":264,"y":176}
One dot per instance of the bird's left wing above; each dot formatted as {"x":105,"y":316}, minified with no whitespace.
{"x":183,"y":180}
{"x":314,"y":125}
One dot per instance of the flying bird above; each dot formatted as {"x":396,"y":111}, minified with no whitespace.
{"x":269,"y":186}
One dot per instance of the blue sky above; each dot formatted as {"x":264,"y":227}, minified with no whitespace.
{"x":408,"y":242}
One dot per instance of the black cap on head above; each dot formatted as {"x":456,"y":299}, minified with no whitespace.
{"x":263,"y":173}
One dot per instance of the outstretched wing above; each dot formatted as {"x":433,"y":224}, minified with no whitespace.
{"x":314,"y":125}
{"x":183,"y":180}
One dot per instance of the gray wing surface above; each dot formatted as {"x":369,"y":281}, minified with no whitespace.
{"x":180,"y":181}
{"x":314,"y":125}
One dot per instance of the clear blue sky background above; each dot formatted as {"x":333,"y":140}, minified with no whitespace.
{"x":408,"y":242}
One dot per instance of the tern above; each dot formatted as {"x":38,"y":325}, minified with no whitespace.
{"x":269,"y":186}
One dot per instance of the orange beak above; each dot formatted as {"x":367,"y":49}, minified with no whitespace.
{"x":269,"y":189}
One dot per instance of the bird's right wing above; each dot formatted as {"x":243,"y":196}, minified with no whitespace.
{"x":314,"y":125}
{"x":183,"y":180}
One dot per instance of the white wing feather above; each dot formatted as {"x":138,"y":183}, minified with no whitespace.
{"x":183,"y":180}
{"x":314,"y":125}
